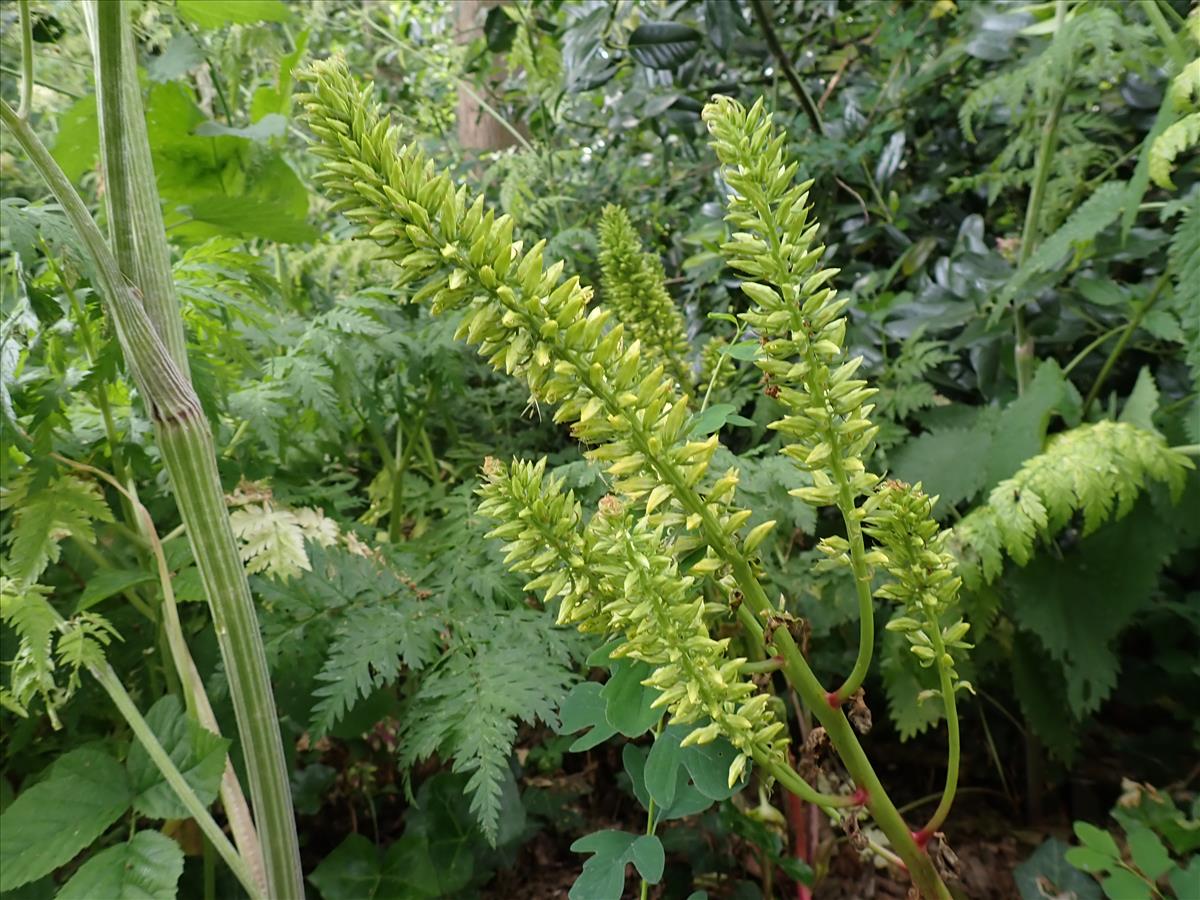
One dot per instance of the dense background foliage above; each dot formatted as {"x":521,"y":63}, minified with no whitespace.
{"x":430,"y":708}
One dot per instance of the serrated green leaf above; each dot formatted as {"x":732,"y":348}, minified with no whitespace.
{"x":147,"y":867}
{"x":66,"y":507}
{"x":948,"y":463}
{"x":198,"y":754}
{"x":48,"y":824}
{"x":1142,"y":404}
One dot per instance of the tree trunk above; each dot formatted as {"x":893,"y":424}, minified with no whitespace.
{"x":477,"y":128}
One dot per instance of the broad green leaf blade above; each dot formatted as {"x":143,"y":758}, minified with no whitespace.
{"x":647,"y":856}
{"x":1097,"y":839}
{"x":663,"y":45}
{"x":1047,"y":873}
{"x":603,"y":876}
{"x":1148,"y":852}
{"x":197,"y":753}
{"x":103,"y":585}
{"x":48,"y":824}
{"x":584,"y":708}
{"x":217,"y":13}
{"x":351,"y":872}
{"x":629,"y":701}
{"x":146,"y":868}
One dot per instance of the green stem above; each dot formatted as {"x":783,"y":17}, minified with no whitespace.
{"x":1086,"y":351}
{"x":1179,"y":56}
{"x":862,"y":579}
{"x":1119,"y":347}
{"x":135,"y":219}
{"x":26,"y":104}
{"x":192,"y":685}
{"x":1023,"y":353}
{"x":404,"y":454}
{"x":952,"y":736}
{"x":1187,"y":449}
{"x":66,"y":92}
{"x":162,"y":761}
{"x":781,"y":57}
{"x":183,"y":434}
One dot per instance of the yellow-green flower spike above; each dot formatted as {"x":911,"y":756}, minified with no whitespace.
{"x":795,"y":313}
{"x":634,"y":285}
{"x":912,"y":548}
{"x":620,"y":575}
{"x":523,"y":316}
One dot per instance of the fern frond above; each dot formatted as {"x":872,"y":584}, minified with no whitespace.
{"x":65,"y":507}
{"x":371,"y":647}
{"x":1098,"y":470}
{"x":1180,"y":136}
{"x":26,"y":611}
{"x":469,"y":704}
{"x":633,"y":283}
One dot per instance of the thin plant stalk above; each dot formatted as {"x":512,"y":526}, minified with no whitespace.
{"x":26,"y":59}
{"x":187,"y":447}
{"x":1119,"y":347}
{"x":1023,"y":353}
{"x":185,"y":440}
{"x":212,"y":831}
{"x":241,"y":822}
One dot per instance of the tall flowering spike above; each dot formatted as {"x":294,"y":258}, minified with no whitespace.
{"x":796,"y":314}
{"x":634,"y":285}
{"x":619,"y":575}
{"x":524,"y":317}
{"x":912,"y":548}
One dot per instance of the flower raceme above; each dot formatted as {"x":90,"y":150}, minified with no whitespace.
{"x":618,"y":574}
{"x":797,"y":317}
{"x":523,"y":316}
{"x":634,"y":286}
{"x":621,"y":570}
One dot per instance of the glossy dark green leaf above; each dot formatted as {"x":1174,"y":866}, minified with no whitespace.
{"x":663,"y":45}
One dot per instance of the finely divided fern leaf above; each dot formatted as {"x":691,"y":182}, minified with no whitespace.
{"x":66,"y":507}
{"x":369,"y":650}
{"x":468,"y":706}
{"x":1093,"y":215}
{"x":1098,"y":470}
{"x":1181,"y":136}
